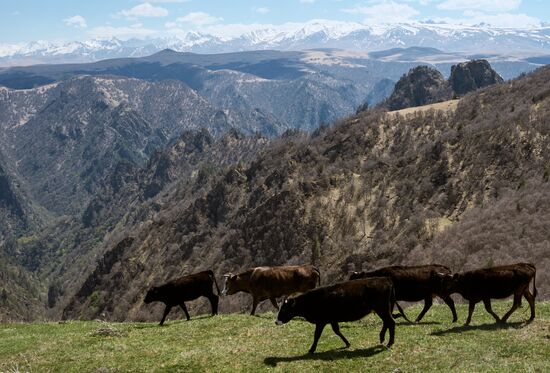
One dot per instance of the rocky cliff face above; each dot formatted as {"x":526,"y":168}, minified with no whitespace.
{"x":424,"y":85}
{"x":469,"y":76}
{"x":421,"y":86}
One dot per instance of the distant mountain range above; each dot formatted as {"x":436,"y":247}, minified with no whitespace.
{"x":293,"y":36}
{"x":277,"y":89}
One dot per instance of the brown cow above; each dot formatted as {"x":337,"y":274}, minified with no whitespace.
{"x":272,"y":282}
{"x":346,"y":301}
{"x":497,"y":283}
{"x":186,"y":288}
{"x":413,"y":284}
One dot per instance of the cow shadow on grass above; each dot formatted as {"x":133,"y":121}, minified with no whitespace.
{"x":336,"y":354}
{"x":401,"y":323}
{"x":487,"y":327}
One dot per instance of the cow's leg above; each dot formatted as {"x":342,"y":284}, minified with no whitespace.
{"x":388,"y":323}
{"x":214,"y":300}
{"x":401,"y":312}
{"x":427,"y":304}
{"x":531,"y":299}
{"x":184,"y":308}
{"x":166,"y":312}
{"x":517,"y":302}
{"x":487,"y":303}
{"x":254,"y":305}
{"x":471,"y":308}
{"x":336,"y":329}
{"x":274,"y":303}
{"x":391,"y":326}
{"x":451,"y":303}
{"x":392,"y":308}
{"x":318,"y":330}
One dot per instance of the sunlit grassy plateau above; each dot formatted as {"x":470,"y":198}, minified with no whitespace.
{"x":239,"y":342}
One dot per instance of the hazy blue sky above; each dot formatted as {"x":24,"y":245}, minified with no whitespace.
{"x":28,"y":20}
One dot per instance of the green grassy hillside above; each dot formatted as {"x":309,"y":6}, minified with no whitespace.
{"x":240,"y":342}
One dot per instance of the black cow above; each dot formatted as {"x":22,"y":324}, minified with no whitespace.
{"x":186,"y":288}
{"x":413,"y":284}
{"x":346,"y":301}
{"x":494,"y":283}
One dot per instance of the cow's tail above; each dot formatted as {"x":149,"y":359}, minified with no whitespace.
{"x":211,"y":274}
{"x":318,"y":275}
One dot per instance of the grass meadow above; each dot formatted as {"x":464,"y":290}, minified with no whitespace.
{"x":239,"y":342}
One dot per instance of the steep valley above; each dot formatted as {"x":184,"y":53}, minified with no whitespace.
{"x":375,"y":189}
{"x":111,"y":184}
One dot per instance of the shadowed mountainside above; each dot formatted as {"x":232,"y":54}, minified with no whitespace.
{"x":128,"y":197}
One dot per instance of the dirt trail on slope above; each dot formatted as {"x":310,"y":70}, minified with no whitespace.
{"x":445,"y":106}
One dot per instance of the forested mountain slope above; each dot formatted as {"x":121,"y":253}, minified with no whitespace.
{"x":78,"y":155}
{"x":126,"y":198}
{"x":63,"y":138}
{"x":375,"y":189}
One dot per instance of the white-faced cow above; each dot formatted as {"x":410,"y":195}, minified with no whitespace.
{"x":413,"y":284}
{"x":272,"y":282}
{"x":346,"y":301}
{"x":186,"y":288}
{"x":494,"y":283}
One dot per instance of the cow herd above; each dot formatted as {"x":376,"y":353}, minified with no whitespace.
{"x":376,"y":291}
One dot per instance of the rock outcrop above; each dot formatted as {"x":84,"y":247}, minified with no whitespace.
{"x":425,"y":85}
{"x":421,"y":86}
{"x":472,"y":75}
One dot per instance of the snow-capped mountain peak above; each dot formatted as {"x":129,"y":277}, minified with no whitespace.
{"x":292,"y":36}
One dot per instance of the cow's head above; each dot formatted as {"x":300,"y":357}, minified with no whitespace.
{"x":445,"y":283}
{"x":356,"y":275}
{"x":232,"y":284}
{"x":287,"y":311}
{"x":152,"y":295}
